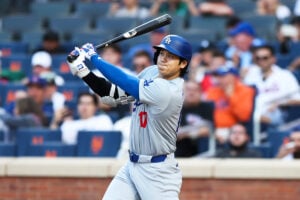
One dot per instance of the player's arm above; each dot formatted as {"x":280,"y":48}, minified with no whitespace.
{"x":128,"y":83}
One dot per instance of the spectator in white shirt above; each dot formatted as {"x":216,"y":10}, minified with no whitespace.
{"x":89,"y":119}
{"x":276,"y":86}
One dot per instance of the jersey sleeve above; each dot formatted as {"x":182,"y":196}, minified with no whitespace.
{"x":155,"y":92}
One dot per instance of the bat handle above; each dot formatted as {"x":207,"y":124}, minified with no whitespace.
{"x":71,"y":58}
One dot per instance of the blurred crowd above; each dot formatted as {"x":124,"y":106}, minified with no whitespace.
{"x":242,"y":85}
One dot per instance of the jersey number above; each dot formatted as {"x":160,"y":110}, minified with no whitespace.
{"x":143,"y":119}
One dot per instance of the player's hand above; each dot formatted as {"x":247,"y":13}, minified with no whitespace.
{"x":77,"y":66}
{"x":89,"y":50}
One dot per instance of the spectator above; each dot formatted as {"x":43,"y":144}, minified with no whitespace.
{"x":141,"y":60}
{"x":26,"y":114}
{"x":201,"y":60}
{"x":276,"y":86}
{"x":51,"y":44}
{"x":41,"y":62}
{"x":227,"y":95}
{"x":51,"y":92}
{"x":36,"y":90}
{"x":89,"y":119}
{"x":182,"y":8}
{"x":287,"y":34}
{"x":243,"y":37}
{"x":273,"y":7}
{"x":196,"y":121}
{"x":237,"y":146}
{"x":290,"y":150}
{"x":215,"y":8}
{"x":128,"y":8}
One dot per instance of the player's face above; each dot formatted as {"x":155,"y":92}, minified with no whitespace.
{"x":169,"y":65}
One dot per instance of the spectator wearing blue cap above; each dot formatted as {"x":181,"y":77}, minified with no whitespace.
{"x":243,"y":38}
{"x":234,"y":101}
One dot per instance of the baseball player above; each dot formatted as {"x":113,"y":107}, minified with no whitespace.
{"x":152,"y":171}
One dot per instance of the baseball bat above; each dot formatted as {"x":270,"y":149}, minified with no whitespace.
{"x":134,"y":32}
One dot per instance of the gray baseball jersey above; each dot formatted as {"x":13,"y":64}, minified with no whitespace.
{"x":155,"y":116}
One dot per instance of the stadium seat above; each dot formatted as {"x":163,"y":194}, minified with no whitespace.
{"x":34,"y":136}
{"x":66,"y":26}
{"x":7,"y":149}
{"x":7,"y":92}
{"x":9,"y":48}
{"x":52,"y":149}
{"x":71,"y":90}
{"x":115,"y":25}
{"x":264,"y":149}
{"x":32,"y":39}
{"x":283,"y":61}
{"x":17,"y":24}
{"x":243,"y":8}
{"x":50,"y":9}
{"x":4,"y":7}
{"x":98,"y":143}
{"x":95,"y":37}
{"x":91,"y":10}
{"x":291,"y":112}
{"x":17,"y":63}
{"x":5,"y":37}
{"x":216,"y":25}
{"x":276,"y":139}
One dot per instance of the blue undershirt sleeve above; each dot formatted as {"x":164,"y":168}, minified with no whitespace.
{"x":125,"y":81}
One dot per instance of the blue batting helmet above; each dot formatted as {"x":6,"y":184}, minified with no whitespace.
{"x":176,"y":45}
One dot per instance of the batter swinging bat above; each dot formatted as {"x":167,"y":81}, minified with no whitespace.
{"x":139,"y":30}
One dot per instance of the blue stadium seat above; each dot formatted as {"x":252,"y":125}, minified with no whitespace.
{"x":17,"y":63}
{"x":216,"y":25}
{"x":243,"y":8}
{"x":71,"y":90}
{"x":66,"y":26}
{"x":34,"y":136}
{"x":264,"y":149}
{"x":7,"y":92}
{"x":5,"y":37}
{"x":291,"y":112}
{"x":98,"y":143}
{"x":32,"y":39}
{"x":52,"y":149}
{"x":91,"y":10}
{"x":95,"y":37}
{"x":50,"y":9}
{"x":7,"y":149}
{"x":276,"y":139}
{"x":283,"y":61}
{"x":21,"y":23}
{"x":9,"y":48}
{"x":115,"y":25}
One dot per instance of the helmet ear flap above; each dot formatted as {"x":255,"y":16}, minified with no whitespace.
{"x":155,"y":56}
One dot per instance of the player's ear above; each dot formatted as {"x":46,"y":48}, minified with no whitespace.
{"x":183,"y":63}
